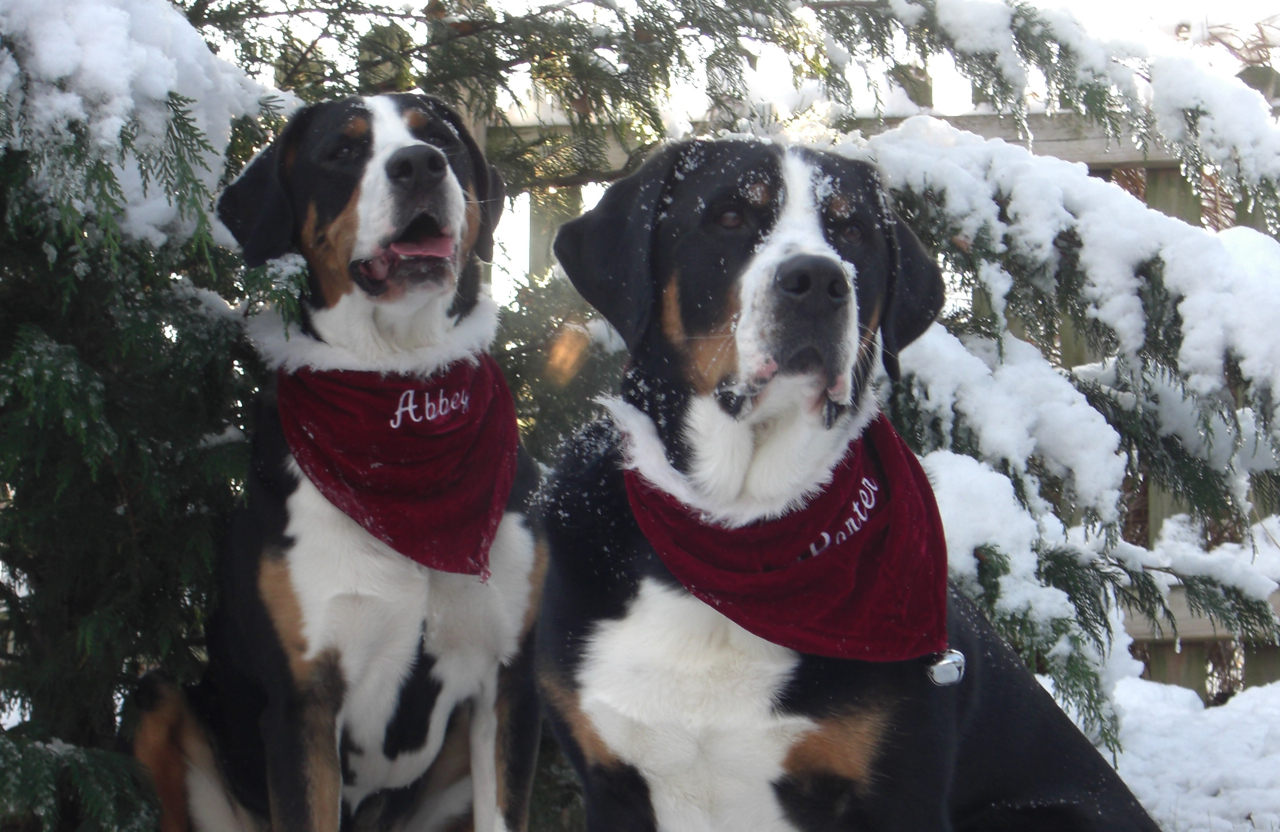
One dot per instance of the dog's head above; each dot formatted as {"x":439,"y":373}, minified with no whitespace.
{"x":755,"y":278}
{"x":388,"y":198}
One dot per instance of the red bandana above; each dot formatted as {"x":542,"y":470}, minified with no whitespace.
{"x":858,"y":573}
{"x":424,"y":465}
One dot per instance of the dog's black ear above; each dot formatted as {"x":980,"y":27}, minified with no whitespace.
{"x":605,"y":252}
{"x":490,"y":190}
{"x":916,"y":293}
{"x":256,"y":207}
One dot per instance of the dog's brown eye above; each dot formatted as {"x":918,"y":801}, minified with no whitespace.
{"x":851,"y":234}
{"x":730,"y":219}
{"x":341,"y":153}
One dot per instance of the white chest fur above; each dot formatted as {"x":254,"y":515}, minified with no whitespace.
{"x":686,"y":696}
{"x":375,"y":607}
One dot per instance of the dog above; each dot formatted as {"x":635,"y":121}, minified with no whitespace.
{"x":746,"y":622}
{"x":370,"y":663}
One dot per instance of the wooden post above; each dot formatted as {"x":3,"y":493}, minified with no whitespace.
{"x":1188,"y":668}
{"x":1261,"y":664}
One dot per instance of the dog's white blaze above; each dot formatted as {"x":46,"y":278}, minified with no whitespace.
{"x":798,"y":231}
{"x":373,"y":605}
{"x":686,"y":696}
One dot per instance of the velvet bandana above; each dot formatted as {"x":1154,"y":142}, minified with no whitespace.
{"x":423,"y":464}
{"x":859,"y":573}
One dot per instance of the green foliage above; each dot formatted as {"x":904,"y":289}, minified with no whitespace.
{"x":52,"y":786}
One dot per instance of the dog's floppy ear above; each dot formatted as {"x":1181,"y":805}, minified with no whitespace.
{"x":605,"y":252}
{"x":490,"y":190}
{"x":256,"y":207}
{"x":916,"y":292}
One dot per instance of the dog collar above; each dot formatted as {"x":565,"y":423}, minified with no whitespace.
{"x":423,"y":464}
{"x":860,"y":572}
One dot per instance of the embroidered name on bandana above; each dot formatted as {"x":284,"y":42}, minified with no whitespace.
{"x":858,"y":573}
{"x":424,"y":465}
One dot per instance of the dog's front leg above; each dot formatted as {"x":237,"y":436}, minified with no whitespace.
{"x":299,"y":730}
{"x":484,"y":764}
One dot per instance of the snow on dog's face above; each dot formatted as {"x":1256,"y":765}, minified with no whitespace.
{"x":388,"y":198}
{"x":755,"y":285}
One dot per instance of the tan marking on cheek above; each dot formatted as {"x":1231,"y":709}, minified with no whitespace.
{"x":845,"y":746}
{"x":672,"y":321}
{"x":714,"y":356}
{"x":328,"y":249}
{"x":567,"y":706}
{"x":867,"y":344}
{"x":471,"y":230}
{"x":276,"y":590}
{"x":710,"y":357}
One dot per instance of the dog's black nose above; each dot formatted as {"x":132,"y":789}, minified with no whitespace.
{"x":812,"y":281}
{"x":416,"y":167}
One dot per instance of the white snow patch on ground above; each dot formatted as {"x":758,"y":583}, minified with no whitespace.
{"x":1198,"y":769}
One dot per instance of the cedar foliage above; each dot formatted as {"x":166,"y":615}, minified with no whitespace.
{"x":123,"y":398}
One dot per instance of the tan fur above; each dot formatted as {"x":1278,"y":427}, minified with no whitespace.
{"x":867,"y":343}
{"x":845,"y":746}
{"x":158,"y":745}
{"x":328,"y":249}
{"x":357,"y":128}
{"x":322,"y":697}
{"x":536,"y":578}
{"x":566,"y":705}
{"x":472,"y":232}
{"x":711,"y":357}
{"x":276,"y":589}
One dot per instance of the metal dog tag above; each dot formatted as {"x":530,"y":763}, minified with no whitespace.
{"x":947,"y":668}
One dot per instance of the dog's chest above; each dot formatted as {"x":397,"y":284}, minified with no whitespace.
{"x":412,"y":643}
{"x":687,"y":698}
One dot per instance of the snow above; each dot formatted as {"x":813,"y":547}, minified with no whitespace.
{"x":1236,"y":131}
{"x":110,"y":65}
{"x":1201,"y":769}
{"x":978,"y":26}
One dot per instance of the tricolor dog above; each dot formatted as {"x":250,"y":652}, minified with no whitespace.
{"x":746,"y":624}
{"x":370,"y":661}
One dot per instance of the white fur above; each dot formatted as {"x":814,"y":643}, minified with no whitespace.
{"x":428,"y":351}
{"x":798,"y":231}
{"x":373,"y":605}
{"x":210,"y":803}
{"x":746,"y":470}
{"x":390,"y":134}
{"x":687,"y":697}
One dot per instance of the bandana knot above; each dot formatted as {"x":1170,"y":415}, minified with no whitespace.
{"x":860,"y":572}
{"x":423,"y":464}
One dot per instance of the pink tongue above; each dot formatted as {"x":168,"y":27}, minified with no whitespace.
{"x":430,"y":247}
